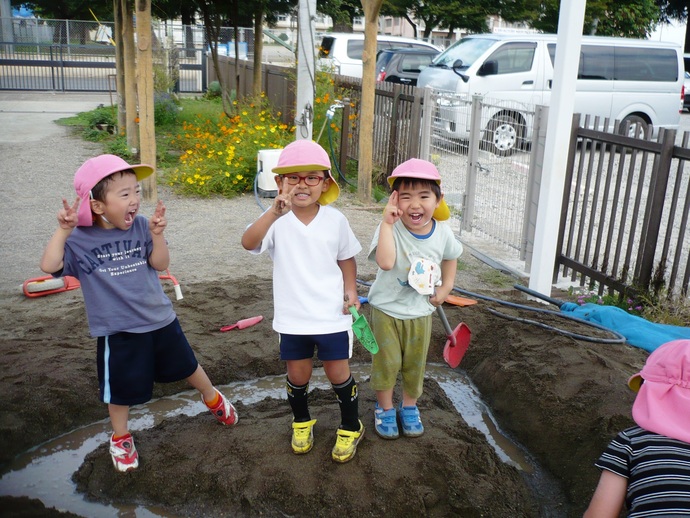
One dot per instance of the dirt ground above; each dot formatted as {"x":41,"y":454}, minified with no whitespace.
{"x":561,"y":399}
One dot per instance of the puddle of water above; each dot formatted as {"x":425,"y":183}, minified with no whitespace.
{"x":45,"y":471}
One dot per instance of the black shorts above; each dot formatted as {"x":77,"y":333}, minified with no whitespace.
{"x":332,"y":346}
{"x":130,"y":363}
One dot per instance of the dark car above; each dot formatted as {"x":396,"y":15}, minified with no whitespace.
{"x":402,"y":65}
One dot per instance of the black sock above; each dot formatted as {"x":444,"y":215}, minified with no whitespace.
{"x":348,"y":399}
{"x":297,"y":396}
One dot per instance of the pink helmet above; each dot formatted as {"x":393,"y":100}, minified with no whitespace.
{"x":421,"y":170}
{"x":93,"y":171}
{"x":662,"y":404}
{"x":306,"y":155}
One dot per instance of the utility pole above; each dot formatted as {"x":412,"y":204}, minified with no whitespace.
{"x":306,"y":74}
{"x":570,"y":20}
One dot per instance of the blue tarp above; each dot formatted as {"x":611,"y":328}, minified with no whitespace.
{"x":636,"y":330}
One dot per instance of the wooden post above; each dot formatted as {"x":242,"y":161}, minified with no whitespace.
{"x":130,"y":78}
{"x":366,"y":127}
{"x":147,"y":130}
{"x":258,"y":51}
{"x":119,"y":68}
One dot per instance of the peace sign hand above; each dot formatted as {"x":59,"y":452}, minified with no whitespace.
{"x":157,"y":223}
{"x":282,"y":204}
{"x":392,"y":213}
{"x":68,"y":215}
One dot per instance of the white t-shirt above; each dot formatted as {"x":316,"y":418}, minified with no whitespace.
{"x":391,"y":291}
{"x":308,"y":287}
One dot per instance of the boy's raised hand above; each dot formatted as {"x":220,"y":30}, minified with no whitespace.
{"x":157,"y":223}
{"x":392,"y":213}
{"x":282,"y":204}
{"x":67,"y":216}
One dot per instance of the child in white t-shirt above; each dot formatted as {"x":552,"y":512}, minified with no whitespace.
{"x":314,"y":271}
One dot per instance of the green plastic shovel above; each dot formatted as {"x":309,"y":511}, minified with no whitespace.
{"x":363,"y":332}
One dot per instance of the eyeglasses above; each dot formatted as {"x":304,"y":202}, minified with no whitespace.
{"x":310,"y":180}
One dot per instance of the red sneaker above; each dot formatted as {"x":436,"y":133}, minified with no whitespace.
{"x":223,"y":411}
{"x":124,"y":453}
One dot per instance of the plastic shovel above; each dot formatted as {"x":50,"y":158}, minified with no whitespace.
{"x":458,"y":340}
{"x":363,"y":332}
{"x":244,"y":323}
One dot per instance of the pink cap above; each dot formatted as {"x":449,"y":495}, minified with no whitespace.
{"x":93,"y":171}
{"x":421,"y":170}
{"x":415,"y":168}
{"x":305,"y":155}
{"x":662,"y":404}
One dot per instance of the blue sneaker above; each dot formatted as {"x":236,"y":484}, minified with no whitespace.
{"x":385,"y":423}
{"x":410,"y":421}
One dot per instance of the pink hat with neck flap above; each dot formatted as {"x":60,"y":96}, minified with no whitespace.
{"x":93,"y":171}
{"x":662,"y":404}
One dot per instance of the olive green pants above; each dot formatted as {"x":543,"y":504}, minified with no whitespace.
{"x":403,"y":347}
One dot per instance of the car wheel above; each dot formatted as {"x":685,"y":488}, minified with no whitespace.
{"x":637,"y":127}
{"x":504,"y":135}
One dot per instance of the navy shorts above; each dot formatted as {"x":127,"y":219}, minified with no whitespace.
{"x":332,"y":346}
{"x":130,"y":363}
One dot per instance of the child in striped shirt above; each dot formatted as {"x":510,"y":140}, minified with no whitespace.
{"x":647,"y":467}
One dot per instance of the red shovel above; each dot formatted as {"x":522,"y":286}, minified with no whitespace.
{"x":458,"y":340}
{"x":241,"y":324}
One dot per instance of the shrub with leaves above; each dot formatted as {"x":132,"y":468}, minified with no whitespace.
{"x":219,"y":156}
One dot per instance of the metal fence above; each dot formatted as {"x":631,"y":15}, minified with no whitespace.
{"x":68,"y":55}
{"x":485,"y":175}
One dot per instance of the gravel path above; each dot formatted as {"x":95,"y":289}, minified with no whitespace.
{"x":39,"y":159}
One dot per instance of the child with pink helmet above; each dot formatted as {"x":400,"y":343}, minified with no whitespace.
{"x":647,"y":467}
{"x":314,"y":270}
{"x":116,"y":254}
{"x":412,"y":232}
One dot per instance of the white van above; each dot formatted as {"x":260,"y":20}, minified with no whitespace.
{"x":341,"y":53}
{"x":638,"y":82}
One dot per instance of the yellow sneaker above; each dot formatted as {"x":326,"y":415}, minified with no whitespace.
{"x":303,"y":436}
{"x":346,"y":444}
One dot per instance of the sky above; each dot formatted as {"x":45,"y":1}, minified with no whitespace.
{"x":672,"y":32}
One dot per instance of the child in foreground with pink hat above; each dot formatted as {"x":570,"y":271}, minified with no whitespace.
{"x":647,"y":467}
{"x":412,"y":232}
{"x":116,"y":254}
{"x":313,"y":250}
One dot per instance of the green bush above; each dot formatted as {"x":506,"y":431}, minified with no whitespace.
{"x":213,"y":90}
{"x":166,"y":109}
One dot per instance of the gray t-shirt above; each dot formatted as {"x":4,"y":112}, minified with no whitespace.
{"x":391,"y":291}
{"x":121,"y":291}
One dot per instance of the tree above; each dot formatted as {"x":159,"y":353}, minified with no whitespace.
{"x":624,"y":18}
{"x":342,"y":12}
{"x":67,"y":9}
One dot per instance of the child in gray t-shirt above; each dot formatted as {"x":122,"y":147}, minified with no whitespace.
{"x":116,"y":255}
